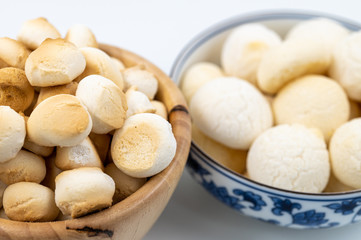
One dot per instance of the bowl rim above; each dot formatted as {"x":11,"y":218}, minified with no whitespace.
{"x":232,"y":22}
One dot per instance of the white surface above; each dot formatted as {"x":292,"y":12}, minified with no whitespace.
{"x":158,"y":30}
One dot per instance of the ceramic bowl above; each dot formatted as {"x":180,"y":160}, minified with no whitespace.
{"x":134,"y":216}
{"x":269,"y":204}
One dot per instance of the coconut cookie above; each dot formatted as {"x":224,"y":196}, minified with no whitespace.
{"x":13,"y":53}
{"x":144,"y":146}
{"x":346,"y":65}
{"x":33,"y":32}
{"x":60,"y":120}
{"x":81,"y":155}
{"x":144,"y":80}
{"x":231,"y":111}
{"x":244,"y":48}
{"x":24,"y":167}
{"x":233,"y":159}
{"x":30,"y":202}
{"x":327,"y":31}
{"x":315,"y":101}
{"x":54,"y":62}
{"x":291,"y":157}
{"x":12,"y":133}
{"x":83,"y":190}
{"x":105,"y":102}
{"x":99,"y":63}
{"x":197,"y":75}
{"x":81,"y":36}
{"x":15,"y":89}
{"x":290,"y":60}
{"x":125,"y":185}
{"x":345,"y":153}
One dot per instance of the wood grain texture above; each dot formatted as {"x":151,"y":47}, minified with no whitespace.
{"x":135,"y":215}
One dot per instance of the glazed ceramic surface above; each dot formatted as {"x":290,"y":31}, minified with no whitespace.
{"x":276,"y":206}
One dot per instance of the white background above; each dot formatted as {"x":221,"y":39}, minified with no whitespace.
{"x":158,"y":30}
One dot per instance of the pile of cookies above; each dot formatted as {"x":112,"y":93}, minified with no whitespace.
{"x":79,"y":131}
{"x":283,"y":112}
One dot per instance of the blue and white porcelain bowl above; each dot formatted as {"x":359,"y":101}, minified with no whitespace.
{"x":269,"y":204}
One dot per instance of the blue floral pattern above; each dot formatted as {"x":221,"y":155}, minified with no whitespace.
{"x":286,"y":211}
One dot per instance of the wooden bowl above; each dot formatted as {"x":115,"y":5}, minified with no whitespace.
{"x":135,"y":215}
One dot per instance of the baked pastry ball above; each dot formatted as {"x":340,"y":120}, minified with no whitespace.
{"x":160,"y":109}
{"x":12,"y":133}
{"x":81,"y":36}
{"x":60,"y":120}
{"x":346,"y":65}
{"x":244,"y":48}
{"x":24,"y":167}
{"x":315,"y":101}
{"x":15,"y":90}
{"x":291,"y":157}
{"x":233,"y":159}
{"x":144,"y":146}
{"x":46,"y":92}
{"x":33,"y":32}
{"x":125,"y":185}
{"x":99,"y":63}
{"x":119,"y":64}
{"x":345,"y":153}
{"x":138,"y":102}
{"x":83,"y":190}
{"x":327,"y":31}
{"x":231,"y":111}
{"x":197,"y":75}
{"x":290,"y":60}
{"x":144,"y":80}
{"x":81,"y":155}
{"x":13,"y":53}
{"x":54,"y":62}
{"x":30,"y":202}
{"x":105,"y":102}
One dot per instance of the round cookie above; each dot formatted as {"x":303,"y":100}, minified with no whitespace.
{"x":81,"y":36}
{"x":197,"y":75}
{"x":144,"y":146}
{"x":60,"y":120}
{"x":15,"y":89}
{"x":125,"y":185}
{"x":13,"y":53}
{"x":345,"y":153}
{"x":160,"y":109}
{"x":77,"y":191}
{"x":46,"y":92}
{"x":327,"y":31}
{"x":24,"y":167}
{"x":292,"y":59}
{"x":313,"y":100}
{"x":31,"y":202}
{"x":244,"y":48}
{"x":12,"y":133}
{"x":54,"y":62}
{"x":346,"y":65}
{"x":99,"y":63}
{"x":144,"y":80}
{"x":233,"y":159}
{"x":290,"y":157}
{"x":33,"y":32}
{"x":231,"y":111}
{"x":105,"y":102}
{"x":138,"y":102}
{"x":81,"y":155}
